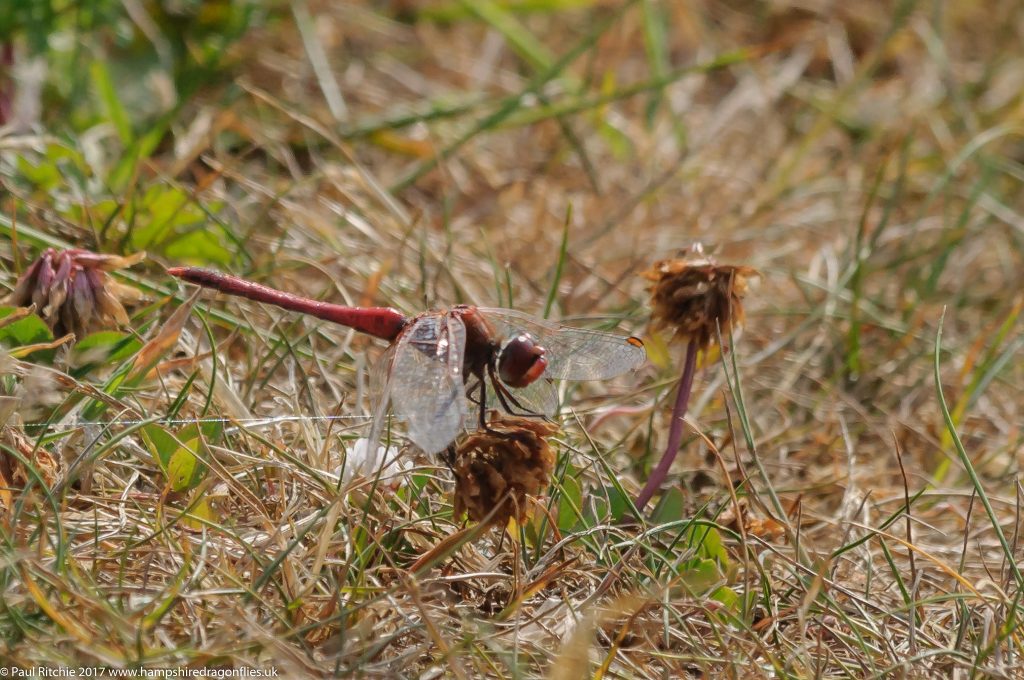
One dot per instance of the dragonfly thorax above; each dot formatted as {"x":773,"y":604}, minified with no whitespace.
{"x":521,"y":361}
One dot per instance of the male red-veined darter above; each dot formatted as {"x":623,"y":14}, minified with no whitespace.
{"x":440,"y":360}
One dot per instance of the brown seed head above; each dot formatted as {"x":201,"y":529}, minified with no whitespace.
{"x":73,"y":292}
{"x":501,"y":468}
{"x":694,"y":295}
{"x":13,"y":473}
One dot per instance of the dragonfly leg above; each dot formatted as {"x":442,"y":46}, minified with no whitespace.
{"x":483,"y":402}
{"x":474,"y":387}
{"x":480,"y":400}
{"x":509,"y":401}
{"x":449,"y":458}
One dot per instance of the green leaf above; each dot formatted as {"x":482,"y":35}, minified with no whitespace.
{"x":177,"y":455}
{"x":201,"y":514}
{"x":28,"y":331}
{"x":616,"y":501}
{"x":620,"y":503}
{"x":708,"y":543}
{"x":570,"y":501}
{"x":161,"y":209}
{"x":701,"y":575}
{"x":99,"y":212}
{"x":160,"y":442}
{"x":168,"y":220}
{"x":658,"y":352}
{"x":671,"y":507}
{"x":184,"y":469}
{"x":44,"y":175}
{"x":103,"y":347}
{"x":728,"y":597}
{"x":142,"y":148}
{"x":202,"y":246}
{"x":607,"y":504}
{"x":209,"y":430}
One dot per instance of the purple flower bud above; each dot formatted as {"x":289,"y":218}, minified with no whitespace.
{"x":59,"y":289}
{"x":83,"y":302}
{"x":44,"y":279}
{"x":72,"y":290}
{"x":21,"y":296}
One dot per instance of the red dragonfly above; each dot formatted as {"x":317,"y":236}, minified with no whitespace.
{"x":439,"y":359}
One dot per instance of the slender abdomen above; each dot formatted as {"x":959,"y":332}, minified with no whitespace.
{"x":380,"y":322}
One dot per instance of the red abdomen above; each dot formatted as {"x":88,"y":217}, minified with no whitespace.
{"x":381,"y":322}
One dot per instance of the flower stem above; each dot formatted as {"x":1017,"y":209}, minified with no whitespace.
{"x":675,"y":432}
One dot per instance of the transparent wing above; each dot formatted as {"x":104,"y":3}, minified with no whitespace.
{"x":573,"y":353}
{"x":539,"y":397}
{"x":380,"y":393}
{"x":426,"y":386}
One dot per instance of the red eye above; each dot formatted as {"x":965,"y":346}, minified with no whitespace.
{"x":521,"y":361}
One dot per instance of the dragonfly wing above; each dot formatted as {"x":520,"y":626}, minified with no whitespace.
{"x":380,"y":393}
{"x":426,"y":386}
{"x":573,"y":353}
{"x":539,"y":398}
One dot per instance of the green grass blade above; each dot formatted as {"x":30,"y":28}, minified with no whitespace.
{"x":563,"y":252}
{"x":521,"y":40}
{"x":965,"y":459}
{"x":514,"y":103}
{"x":656,"y":43}
{"x":107,"y":95}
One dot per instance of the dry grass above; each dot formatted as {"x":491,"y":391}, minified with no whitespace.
{"x":866,"y":160}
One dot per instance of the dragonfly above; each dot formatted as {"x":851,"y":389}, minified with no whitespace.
{"x":441,"y":364}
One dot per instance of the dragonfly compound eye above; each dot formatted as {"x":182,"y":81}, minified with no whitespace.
{"x":521,"y":361}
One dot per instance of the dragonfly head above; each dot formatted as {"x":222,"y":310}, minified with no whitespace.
{"x":521,"y":361}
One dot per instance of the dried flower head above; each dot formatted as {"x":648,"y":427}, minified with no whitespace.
{"x":13,"y":475}
{"x":695,"y":295}
{"x":500,"y":468}
{"x":72,"y":291}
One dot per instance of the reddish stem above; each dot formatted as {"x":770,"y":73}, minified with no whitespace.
{"x":675,"y":432}
{"x":6,"y":82}
{"x":381,"y":322}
